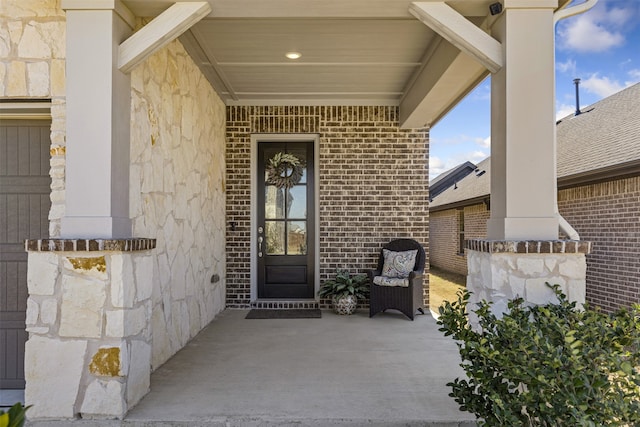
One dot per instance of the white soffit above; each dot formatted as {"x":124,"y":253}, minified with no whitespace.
{"x":355,"y":52}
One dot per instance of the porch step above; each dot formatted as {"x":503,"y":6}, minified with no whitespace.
{"x":285,"y":304}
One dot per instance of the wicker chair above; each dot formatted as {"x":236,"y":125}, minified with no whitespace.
{"x":405,"y":299}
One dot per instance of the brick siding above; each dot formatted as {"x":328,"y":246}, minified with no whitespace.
{"x":443,"y":236}
{"x":607,"y":214}
{"x":373,"y":184}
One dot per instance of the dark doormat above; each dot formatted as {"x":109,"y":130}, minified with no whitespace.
{"x":290,"y":313}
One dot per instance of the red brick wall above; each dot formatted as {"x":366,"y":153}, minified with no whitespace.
{"x":373,"y":184}
{"x":443,"y":236}
{"x":608,"y":214}
{"x":443,"y":242}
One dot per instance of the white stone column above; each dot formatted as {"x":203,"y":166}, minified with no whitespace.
{"x":523,"y":158}
{"x":98,"y":101}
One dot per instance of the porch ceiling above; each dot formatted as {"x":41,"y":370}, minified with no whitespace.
{"x":364,"y":52}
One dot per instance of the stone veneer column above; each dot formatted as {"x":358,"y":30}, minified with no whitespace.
{"x":503,"y":270}
{"x":88,"y":318}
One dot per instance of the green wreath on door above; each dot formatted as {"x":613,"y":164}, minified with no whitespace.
{"x":284,"y":170}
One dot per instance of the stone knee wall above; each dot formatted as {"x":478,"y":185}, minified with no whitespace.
{"x":373,"y":179}
{"x":32,"y":66}
{"x":502,"y":270}
{"x":88,"y":318}
{"x":177,"y":193}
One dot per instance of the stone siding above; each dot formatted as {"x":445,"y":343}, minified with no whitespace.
{"x":32,"y":66}
{"x":607,"y":215}
{"x":177,"y":193}
{"x":88,"y":318}
{"x":501,"y":271}
{"x":177,"y":170}
{"x":373,"y":184}
{"x":443,"y":236}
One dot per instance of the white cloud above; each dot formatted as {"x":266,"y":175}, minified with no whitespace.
{"x":484,"y":142}
{"x":601,"y":86}
{"x":563,"y":110}
{"x":586,"y":35}
{"x":438,"y":166}
{"x":569,"y":66}
{"x":596,"y":30}
{"x":477,"y":156}
{"x":435,"y":163}
{"x":634,"y":75}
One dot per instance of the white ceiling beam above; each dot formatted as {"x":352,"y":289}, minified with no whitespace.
{"x":449,"y":76}
{"x":460,"y":32}
{"x":163,"y":29}
{"x":384,"y":9}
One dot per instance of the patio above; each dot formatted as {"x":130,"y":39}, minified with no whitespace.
{"x":334,"y":371}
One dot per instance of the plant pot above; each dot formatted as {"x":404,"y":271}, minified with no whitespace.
{"x":345,"y":305}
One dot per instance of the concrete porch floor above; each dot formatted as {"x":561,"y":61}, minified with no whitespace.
{"x":334,"y":371}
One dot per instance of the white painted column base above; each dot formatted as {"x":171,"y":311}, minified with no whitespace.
{"x":523,"y":228}
{"x":87,"y":227}
{"x":89,"y":323}
{"x":499,"y":271}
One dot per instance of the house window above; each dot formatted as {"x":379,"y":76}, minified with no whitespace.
{"x":460,"y":231}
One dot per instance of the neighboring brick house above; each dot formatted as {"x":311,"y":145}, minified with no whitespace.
{"x":598,"y":194}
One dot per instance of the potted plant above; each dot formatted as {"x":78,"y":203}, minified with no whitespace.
{"x":344,"y":291}
{"x":14,"y":417}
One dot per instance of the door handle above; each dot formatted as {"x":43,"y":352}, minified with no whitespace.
{"x":260,"y":239}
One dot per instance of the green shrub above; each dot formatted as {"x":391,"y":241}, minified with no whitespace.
{"x":14,"y":417}
{"x":345,"y":284}
{"x":549,"y":365}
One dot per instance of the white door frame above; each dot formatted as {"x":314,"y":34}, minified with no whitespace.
{"x":283,"y":137}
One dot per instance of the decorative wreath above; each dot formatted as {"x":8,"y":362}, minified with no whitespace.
{"x":284,"y":170}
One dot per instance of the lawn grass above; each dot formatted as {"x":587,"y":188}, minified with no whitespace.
{"x":443,"y":286}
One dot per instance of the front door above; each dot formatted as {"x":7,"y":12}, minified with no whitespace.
{"x":285,"y":220}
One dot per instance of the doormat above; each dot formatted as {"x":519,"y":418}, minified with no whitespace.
{"x":290,"y":313}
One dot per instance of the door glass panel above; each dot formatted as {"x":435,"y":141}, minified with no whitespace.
{"x":301,"y":155}
{"x":274,"y":236}
{"x":297,"y":202}
{"x":296,"y":237}
{"x":274,"y":199}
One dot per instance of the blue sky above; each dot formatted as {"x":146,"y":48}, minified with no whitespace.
{"x":601,"y":47}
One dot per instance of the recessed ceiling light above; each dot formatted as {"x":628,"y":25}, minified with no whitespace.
{"x":293,"y":55}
